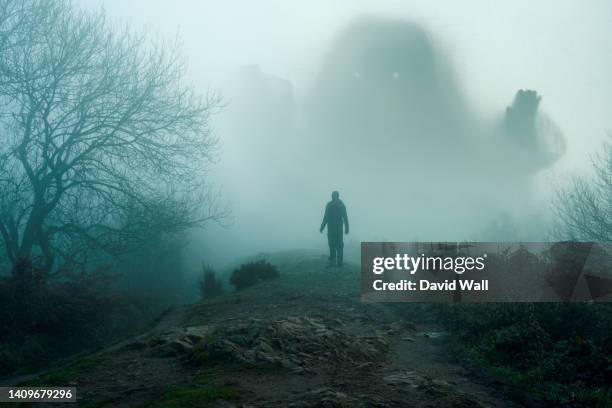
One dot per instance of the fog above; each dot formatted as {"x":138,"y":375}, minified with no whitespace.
{"x":401,"y":106}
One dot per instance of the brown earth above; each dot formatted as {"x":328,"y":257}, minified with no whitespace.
{"x":303,"y":340}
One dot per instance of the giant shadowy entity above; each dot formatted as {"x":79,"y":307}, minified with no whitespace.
{"x":387,"y":118}
{"x":385,"y":121}
{"x":385,"y":90}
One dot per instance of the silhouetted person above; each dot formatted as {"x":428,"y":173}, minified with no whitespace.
{"x":335,"y":217}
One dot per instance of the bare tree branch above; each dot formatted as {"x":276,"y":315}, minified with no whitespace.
{"x":584,"y":208}
{"x":103,"y":143}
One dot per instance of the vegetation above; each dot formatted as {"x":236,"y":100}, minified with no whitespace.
{"x":200,"y":393}
{"x":195,"y":396}
{"x":103,"y":144}
{"x":63,"y":376}
{"x":559,"y":352}
{"x":63,"y":318}
{"x":104,"y":151}
{"x":251,"y":273}
{"x":210,"y":286}
{"x":583,"y":206}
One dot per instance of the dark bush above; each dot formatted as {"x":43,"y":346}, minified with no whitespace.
{"x":210,"y":286}
{"x":253,"y":272}
{"x":45,"y":320}
{"x":559,"y":352}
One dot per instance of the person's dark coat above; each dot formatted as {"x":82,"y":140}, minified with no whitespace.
{"x":335,"y":218}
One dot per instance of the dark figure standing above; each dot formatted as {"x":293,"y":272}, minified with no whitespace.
{"x":335,"y":217}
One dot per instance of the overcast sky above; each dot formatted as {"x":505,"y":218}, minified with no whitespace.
{"x":562,"y":48}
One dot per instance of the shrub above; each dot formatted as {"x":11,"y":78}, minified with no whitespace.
{"x":249,"y":274}
{"x":210,"y":286}
{"x":40,"y":324}
{"x":557,"y":351}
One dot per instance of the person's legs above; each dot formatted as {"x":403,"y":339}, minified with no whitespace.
{"x":332,"y":249}
{"x":340,"y":251}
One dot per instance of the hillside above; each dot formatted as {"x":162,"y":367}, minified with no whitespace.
{"x":302,"y":340}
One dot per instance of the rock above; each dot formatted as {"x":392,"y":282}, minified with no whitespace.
{"x":299,"y":404}
{"x":296,"y":343}
{"x":409,"y":378}
{"x":175,"y":348}
{"x":239,"y":339}
{"x":267,"y":358}
{"x":328,"y":398}
{"x":433,"y":334}
{"x":395,"y":327}
{"x":410,"y":326}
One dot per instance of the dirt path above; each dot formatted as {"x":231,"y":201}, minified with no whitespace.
{"x":427,"y":352}
{"x":304,"y":340}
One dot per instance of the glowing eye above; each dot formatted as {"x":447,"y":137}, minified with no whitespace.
{"x":357,"y":74}
{"x":396,"y":75}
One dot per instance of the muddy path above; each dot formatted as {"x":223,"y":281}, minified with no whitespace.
{"x":303,"y":340}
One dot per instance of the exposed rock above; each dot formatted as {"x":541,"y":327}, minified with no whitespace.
{"x":300,"y":344}
{"x":323,"y":398}
{"x":176,"y":343}
{"x":405,"y":378}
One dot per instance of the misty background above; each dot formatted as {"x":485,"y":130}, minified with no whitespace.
{"x":398,"y":105}
{"x":155,"y":154}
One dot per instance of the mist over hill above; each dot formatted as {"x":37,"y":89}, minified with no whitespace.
{"x":384,"y":122}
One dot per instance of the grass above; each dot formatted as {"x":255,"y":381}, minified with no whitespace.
{"x":95,"y":404}
{"x":195,"y":396}
{"x":538,"y":383}
{"x":62,"y":376}
{"x":557,"y":353}
{"x":200,"y":393}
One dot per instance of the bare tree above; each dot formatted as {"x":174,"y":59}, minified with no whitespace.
{"x":101,"y":141}
{"x":584,"y":208}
